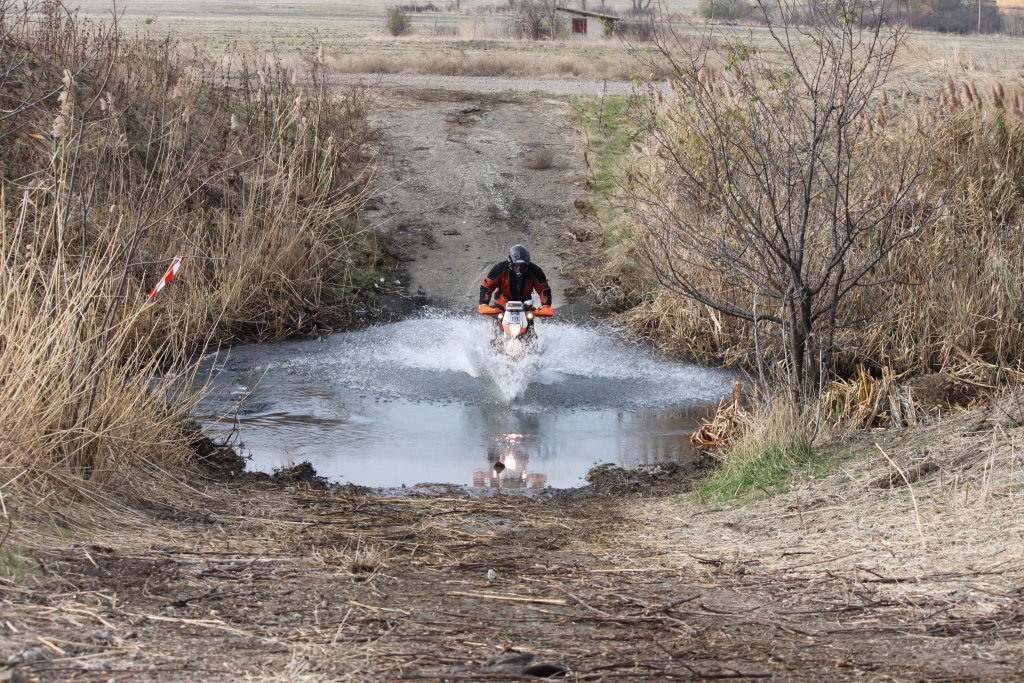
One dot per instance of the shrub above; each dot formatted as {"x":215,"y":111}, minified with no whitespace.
{"x":398,"y":21}
{"x":120,"y":154}
{"x":747,"y":201}
{"x":724,"y":10}
{"x":945,"y":301}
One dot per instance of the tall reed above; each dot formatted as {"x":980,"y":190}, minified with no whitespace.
{"x":118,"y":155}
{"x":951,"y":297}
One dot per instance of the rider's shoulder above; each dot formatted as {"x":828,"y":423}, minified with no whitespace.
{"x":497,"y":269}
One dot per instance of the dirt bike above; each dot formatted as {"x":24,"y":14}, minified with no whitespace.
{"x":516,"y":321}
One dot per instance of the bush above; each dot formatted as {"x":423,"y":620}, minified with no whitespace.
{"x":398,"y":21}
{"x":127,"y":154}
{"x":724,"y":10}
{"x":946,"y":301}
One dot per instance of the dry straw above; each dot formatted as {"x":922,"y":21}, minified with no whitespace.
{"x":944,"y":301}
{"x":255,"y":183}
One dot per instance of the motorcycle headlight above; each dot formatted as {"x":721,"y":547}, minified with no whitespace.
{"x":501,"y":316}
{"x":529,"y":316}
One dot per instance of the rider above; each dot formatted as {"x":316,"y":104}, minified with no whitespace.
{"x":514,"y":279}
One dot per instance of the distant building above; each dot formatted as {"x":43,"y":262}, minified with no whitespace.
{"x":590,"y":25}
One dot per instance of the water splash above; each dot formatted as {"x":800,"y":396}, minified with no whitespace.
{"x":430,"y":399}
{"x":440,"y":357}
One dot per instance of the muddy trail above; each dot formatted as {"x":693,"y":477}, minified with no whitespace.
{"x":461,"y":177}
{"x":266,"y":579}
{"x":859,"y":575}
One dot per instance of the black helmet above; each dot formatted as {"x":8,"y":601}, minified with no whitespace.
{"x":518,"y":255}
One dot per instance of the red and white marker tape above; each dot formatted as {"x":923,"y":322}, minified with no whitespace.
{"x":168,"y":276}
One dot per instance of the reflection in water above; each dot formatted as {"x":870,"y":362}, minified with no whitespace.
{"x":508,"y":454}
{"x":529,"y":445}
{"x":383,"y":407}
{"x":508,"y":469}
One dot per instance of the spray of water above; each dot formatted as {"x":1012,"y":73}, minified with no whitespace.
{"x":470,"y":346}
{"x":443,"y":357}
{"x":432,"y":399}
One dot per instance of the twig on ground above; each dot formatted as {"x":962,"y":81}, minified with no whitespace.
{"x":913,"y":498}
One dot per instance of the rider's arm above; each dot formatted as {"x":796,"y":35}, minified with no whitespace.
{"x":490,"y":283}
{"x":541,"y":285}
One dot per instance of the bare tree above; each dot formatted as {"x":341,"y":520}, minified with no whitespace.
{"x":642,"y":6}
{"x":771,"y":189}
{"x":533,"y":19}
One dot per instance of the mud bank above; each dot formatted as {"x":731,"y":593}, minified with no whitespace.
{"x":284,"y":579}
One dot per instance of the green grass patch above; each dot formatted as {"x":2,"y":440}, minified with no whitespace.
{"x":761,"y":468}
{"x":14,"y":567}
{"x":610,"y":127}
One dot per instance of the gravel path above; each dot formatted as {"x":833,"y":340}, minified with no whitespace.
{"x":455,"y":187}
{"x":486,"y":84}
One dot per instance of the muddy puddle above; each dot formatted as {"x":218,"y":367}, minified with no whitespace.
{"x":427,"y":400}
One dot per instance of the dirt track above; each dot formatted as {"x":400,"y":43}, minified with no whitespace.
{"x":458,"y":183}
{"x":283,"y":581}
{"x":860,"y":576}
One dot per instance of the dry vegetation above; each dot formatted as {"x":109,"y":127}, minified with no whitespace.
{"x":491,"y":62}
{"x":912,"y":532}
{"x":118,"y":155}
{"x":944,"y":299}
{"x":904,"y":564}
{"x":949,"y":297}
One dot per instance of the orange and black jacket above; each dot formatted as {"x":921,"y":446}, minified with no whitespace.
{"x":502,"y":281}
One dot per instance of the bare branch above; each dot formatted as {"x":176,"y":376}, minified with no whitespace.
{"x":762,"y":184}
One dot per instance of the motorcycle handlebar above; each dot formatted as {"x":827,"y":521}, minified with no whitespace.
{"x":543,"y":311}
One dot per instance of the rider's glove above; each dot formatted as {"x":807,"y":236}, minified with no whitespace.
{"x":544,"y":311}
{"x":484,"y":309}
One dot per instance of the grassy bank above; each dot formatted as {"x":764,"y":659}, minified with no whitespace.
{"x":120,"y":154}
{"x":944,"y":301}
{"x":933,"y":321}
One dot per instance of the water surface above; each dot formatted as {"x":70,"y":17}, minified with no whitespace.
{"x":428,"y":400}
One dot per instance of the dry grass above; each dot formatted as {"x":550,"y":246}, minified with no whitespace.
{"x":81,"y":406}
{"x":963,"y":303}
{"x":500,"y":61}
{"x":120,"y":155}
{"x":759,"y":447}
{"x":853,"y":539}
{"x":946,"y":300}
{"x":725,"y":426}
{"x":864,"y":402}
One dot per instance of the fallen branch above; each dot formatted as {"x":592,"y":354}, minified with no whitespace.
{"x":913,"y":498}
{"x":510,"y":598}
